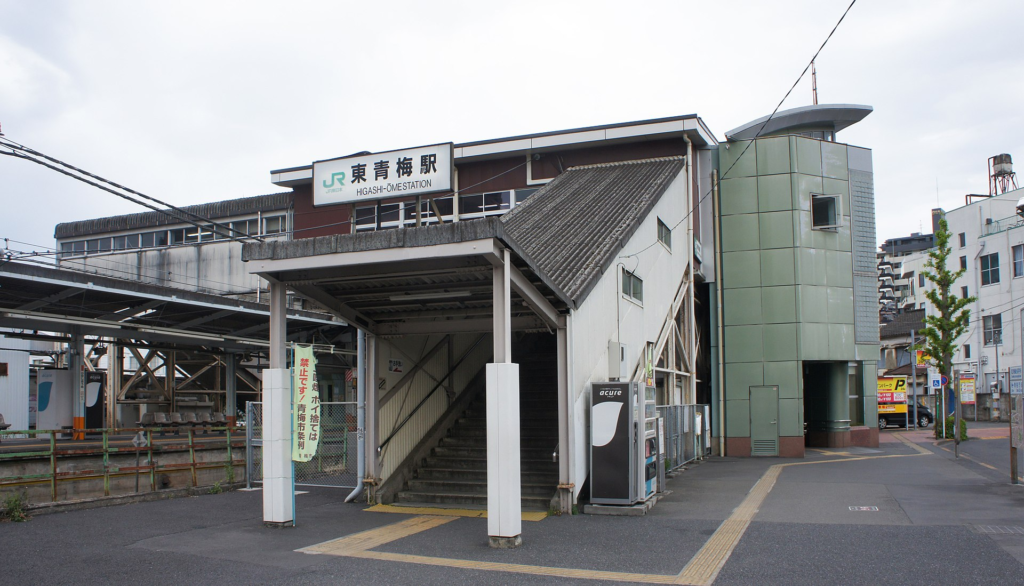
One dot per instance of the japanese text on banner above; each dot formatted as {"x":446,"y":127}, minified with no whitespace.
{"x":306,"y":405}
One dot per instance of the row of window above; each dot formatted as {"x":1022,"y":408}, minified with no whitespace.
{"x":176,"y":236}
{"x":386,"y":216}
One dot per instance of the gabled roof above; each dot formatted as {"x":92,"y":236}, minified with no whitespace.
{"x":571,"y":230}
{"x":903,"y":324}
{"x":212,"y":211}
{"x":564,"y":237}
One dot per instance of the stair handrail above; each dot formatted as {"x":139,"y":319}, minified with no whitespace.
{"x":399,"y":427}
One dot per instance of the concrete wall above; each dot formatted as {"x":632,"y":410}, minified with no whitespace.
{"x":215,"y":267}
{"x":593,"y":325}
{"x":408,"y":349}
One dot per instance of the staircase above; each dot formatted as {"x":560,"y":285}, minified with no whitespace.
{"x":455,"y":472}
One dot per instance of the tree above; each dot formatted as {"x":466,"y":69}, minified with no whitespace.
{"x":949,"y":318}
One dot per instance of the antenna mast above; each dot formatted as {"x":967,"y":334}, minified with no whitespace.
{"x":814,"y":82}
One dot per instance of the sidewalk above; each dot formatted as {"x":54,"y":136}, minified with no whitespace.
{"x":828,"y":518}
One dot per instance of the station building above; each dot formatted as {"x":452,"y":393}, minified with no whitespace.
{"x":738,"y":274}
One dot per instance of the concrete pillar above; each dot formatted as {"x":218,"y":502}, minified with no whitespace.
{"x":231,"y":388}
{"x":504,"y":491}
{"x":838,"y":418}
{"x":278,"y":325}
{"x":278,"y":474}
{"x":372,"y":409}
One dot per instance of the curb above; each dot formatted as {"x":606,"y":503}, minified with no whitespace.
{"x":110,"y":501}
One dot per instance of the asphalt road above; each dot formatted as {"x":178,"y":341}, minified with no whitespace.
{"x":893,"y":515}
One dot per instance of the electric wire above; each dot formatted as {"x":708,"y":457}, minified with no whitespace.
{"x":717,"y":182}
{"x":17,"y":150}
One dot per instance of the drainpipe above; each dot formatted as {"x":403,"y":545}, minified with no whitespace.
{"x":716,"y":225}
{"x":360,"y":415}
{"x":693,"y":209}
{"x":980,"y":329}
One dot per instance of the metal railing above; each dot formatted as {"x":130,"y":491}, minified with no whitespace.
{"x":333,"y":465}
{"x":1001,"y":225}
{"x":115,"y":444}
{"x":687,"y":434}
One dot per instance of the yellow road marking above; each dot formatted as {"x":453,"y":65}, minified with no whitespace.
{"x":480,"y":514}
{"x":357,"y":542}
{"x":702,"y":569}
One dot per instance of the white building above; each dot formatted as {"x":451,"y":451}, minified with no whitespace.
{"x":987,"y":240}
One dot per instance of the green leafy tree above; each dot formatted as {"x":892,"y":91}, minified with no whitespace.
{"x":949,"y":316}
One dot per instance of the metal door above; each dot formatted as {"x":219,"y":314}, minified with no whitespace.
{"x":764,"y":421}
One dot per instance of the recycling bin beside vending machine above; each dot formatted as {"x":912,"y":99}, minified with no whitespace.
{"x":623,"y":443}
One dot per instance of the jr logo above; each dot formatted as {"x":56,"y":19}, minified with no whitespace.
{"x":339,"y":177}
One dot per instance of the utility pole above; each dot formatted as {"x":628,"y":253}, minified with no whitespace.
{"x":913,"y":376}
{"x":998,"y":337}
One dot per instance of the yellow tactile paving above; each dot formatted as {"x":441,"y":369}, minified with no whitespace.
{"x":355,"y":543}
{"x":702,"y":569}
{"x":527,"y":515}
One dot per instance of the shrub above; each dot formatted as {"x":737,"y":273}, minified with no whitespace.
{"x":950,"y":432}
{"x":14,"y":507}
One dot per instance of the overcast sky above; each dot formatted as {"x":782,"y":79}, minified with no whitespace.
{"x":193,"y":102}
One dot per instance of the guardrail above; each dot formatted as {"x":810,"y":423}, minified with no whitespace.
{"x":1001,"y":225}
{"x":228,"y":438}
{"x":687,"y":434}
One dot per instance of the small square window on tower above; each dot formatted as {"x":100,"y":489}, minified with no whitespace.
{"x":826,"y":212}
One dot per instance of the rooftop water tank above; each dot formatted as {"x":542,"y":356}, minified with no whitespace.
{"x":1002,"y":165}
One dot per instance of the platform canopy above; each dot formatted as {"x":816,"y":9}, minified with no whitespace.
{"x":37,"y":298}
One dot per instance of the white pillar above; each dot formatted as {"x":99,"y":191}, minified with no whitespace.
{"x":278,"y":481}
{"x":78,"y":383}
{"x":504,"y":493}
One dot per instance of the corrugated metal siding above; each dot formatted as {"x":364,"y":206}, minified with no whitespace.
{"x":14,"y":387}
{"x":211,"y":211}
{"x":865,"y":276}
{"x":398,"y":408}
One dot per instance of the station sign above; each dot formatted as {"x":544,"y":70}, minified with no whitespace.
{"x":1016,"y":380}
{"x":406,"y":172}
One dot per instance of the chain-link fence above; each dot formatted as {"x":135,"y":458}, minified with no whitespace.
{"x":687,"y":433}
{"x":333,"y":465}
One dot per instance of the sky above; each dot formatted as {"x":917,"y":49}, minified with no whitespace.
{"x":192,"y":102}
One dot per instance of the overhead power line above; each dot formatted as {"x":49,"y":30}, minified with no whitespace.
{"x":21,"y":151}
{"x":760,"y":129}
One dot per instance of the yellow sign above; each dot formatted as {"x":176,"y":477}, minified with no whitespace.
{"x":892,"y":407}
{"x":922,"y":358}
{"x":892,"y":384}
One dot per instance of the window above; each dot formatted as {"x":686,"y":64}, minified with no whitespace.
{"x":967,"y":350}
{"x":963,"y":239}
{"x":246,"y":227}
{"x":275,"y":225}
{"x":177,"y":236}
{"x":389,"y":216}
{"x":990,"y":269}
{"x":485,"y":204}
{"x":1018,"y":260}
{"x":632,"y":286}
{"x":664,"y":234}
{"x":963,"y":262}
{"x":366,"y":218}
{"x":825,"y":212}
{"x":920,"y":280}
{"x":993,"y":327}
{"x":963,"y":292}
{"x":522,"y":194}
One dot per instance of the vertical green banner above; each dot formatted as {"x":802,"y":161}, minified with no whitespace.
{"x":306,"y":405}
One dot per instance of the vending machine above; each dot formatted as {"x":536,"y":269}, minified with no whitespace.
{"x":623,"y":443}
{"x":55,"y":403}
